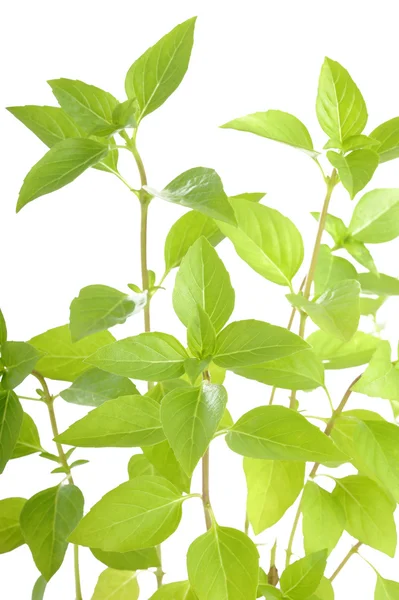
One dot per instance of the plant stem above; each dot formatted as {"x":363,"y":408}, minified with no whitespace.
{"x":206,"y":499}
{"x":144,"y":267}
{"x":351,"y":552}
{"x":292,"y":535}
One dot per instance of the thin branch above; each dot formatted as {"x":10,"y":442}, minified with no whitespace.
{"x":351,"y":552}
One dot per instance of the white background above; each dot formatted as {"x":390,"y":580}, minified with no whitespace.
{"x":248,"y":56}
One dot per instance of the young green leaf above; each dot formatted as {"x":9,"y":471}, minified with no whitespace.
{"x":10,"y":531}
{"x":356,"y":169}
{"x":63,"y":163}
{"x":11,"y":416}
{"x":344,"y":430}
{"x":370,"y":306}
{"x":140,"y":513}
{"x":269,"y":592}
{"x":51,"y":124}
{"x":368,"y":512}
{"x":279,"y":433}
{"x":19,"y":360}
{"x":128,"y":561}
{"x":28,"y":440}
{"x":381,"y":378}
{"x":336,"y":311}
{"x":124,"y":113}
{"x":202,"y":280}
{"x":325,"y":590}
{"x":360,"y":253}
{"x":64,"y":359}
{"x":340,"y":107}
{"x":3,"y":329}
{"x":190,"y":418}
{"x":122,"y":422}
{"x":116,"y":585}
{"x":174,"y":591}
{"x":252,"y":342}
{"x":163,"y":459}
{"x":154,"y":76}
{"x":148,"y":356}
{"x":358,"y":142}
{"x":266,"y":240}
{"x":140,"y":465}
{"x":323,"y":519}
{"x":386,"y":589}
{"x":302,"y":578}
{"x":199,"y":188}
{"x":273,"y":486}
{"x":380,"y":284}
{"x":387,"y":134}
{"x":99,"y":307}
{"x":47,"y":519}
{"x":376,"y":217}
{"x":337,"y":354}
{"x":94,"y":387}
{"x":223,"y":563}
{"x":335,"y":227}
{"x":39,"y":588}
{"x":331,"y":270}
{"x":278,"y":126}
{"x":201,"y":335}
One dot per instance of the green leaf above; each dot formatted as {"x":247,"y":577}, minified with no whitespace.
{"x":358,"y":142}
{"x":201,"y":335}
{"x":162,"y":457}
{"x":10,"y":531}
{"x":116,"y":585}
{"x":379,"y":284}
{"x":344,"y":429}
{"x":99,"y":307}
{"x":11,"y":415}
{"x":47,"y":519}
{"x":252,"y":342}
{"x":94,"y":387}
{"x":376,"y":217}
{"x":266,"y":240}
{"x":325,"y":590}
{"x":278,"y":126}
{"x":303,"y":577}
{"x":336,"y":311}
{"x":270,"y":592}
{"x":323,"y":519}
{"x":361,"y":254}
{"x":381,"y":378}
{"x":128,"y":561}
{"x":148,"y":356}
{"x":279,"y":433}
{"x":300,"y":371}
{"x":154,"y":76}
{"x":39,"y":588}
{"x":388,"y":135}
{"x":140,"y":513}
{"x":331,"y":270}
{"x":3,"y":329}
{"x":337,"y":354}
{"x":340,"y":107}
{"x":28,"y":440}
{"x":124,"y":113}
{"x":89,"y":106}
{"x":368,"y":512}
{"x":202,"y":280}
{"x":64,"y":359}
{"x":51,"y":124}
{"x":199,"y":188}
{"x":356,"y":169}
{"x":386,"y":589}
{"x":223,"y":563}
{"x":122,"y":422}
{"x":174,"y":591}
{"x":190,"y":418}
{"x":19,"y":360}
{"x":63,"y":163}
{"x":273,"y":486}
{"x":370,"y":306}
{"x":335,"y":227}
{"x":140,"y":465}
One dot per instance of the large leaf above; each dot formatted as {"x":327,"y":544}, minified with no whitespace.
{"x":154,"y":76}
{"x":278,"y":126}
{"x":380,"y":284}
{"x":163,"y":459}
{"x":376,"y":217}
{"x":47,"y":519}
{"x":128,"y":561}
{"x":19,"y":360}
{"x":323,"y":519}
{"x":148,"y":356}
{"x":99,"y":307}
{"x":114,"y":584}
{"x":381,"y":378}
{"x":28,"y":439}
{"x":11,"y":415}
{"x":223,"y":563}
{"x":387,"y":134}
{"x":202,"y":280}
{"x":279,"y":433}
{"x":51,"y":124}
{"x":63,"y":163}
{"x":122,"y":422}
{"x":199,"y":188}
{"x":267,"y":240}
{"x":10,"y":531}
{"x":368,"y":512}
{"x":386,"y":589}
{"x":331,"y":270}
{"x":303,"y":577}
{"x":190,"y":418}
{"x":340,"y":107}
{"x":64,"y":359}
{"x":140,"y":513}
{"x":252,"y":342}
{"x":94,"y":387}
{"x":325,"y":590}
{"x":337,"y":354}
{"x":336,"y":311}
{"x":356,"y":169}
{"x":174,"y":591}
{"x":89,"y":106}
{"x":273,"y":486}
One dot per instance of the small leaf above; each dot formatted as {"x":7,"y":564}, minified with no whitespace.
{"x":128,"y":561}
{"x":140,"y":465}
{"x":122,"y":422}
{"x":154,"y":76}
{"x":19,"y":359}
{"x":94,"y":387}
{"x":174,"y":591}
{"x":28,"y":440}
{"x":3,"y":329}
{"x":358,"y":142}
{"x":51,"y":124}
{"x":166,"y":464}
{"x":337,"y":354}
{"x":386,"y":589}
{"x":124,"y":113}
{"x":376,"y":217}
{"x":323,"y":519}
{"x":201,"y":335}
{"x":381,"y":378}
{"x":39,"y":588}
{"x":378,"y":284}
{"x":331,"y":271}
{"x":361,"y":254}
{"x":140,"y":513}
{"x":303,"y":577}
{"x":148,"y":356}
{"x":356,"y":169}
{"x":335,"y":227}
{"x":278,"y":126}
{"x":370,"y":306}
{"x":47,"y":519}
{"x":99,"y":307}
{"x":116,"y":585}
{"x":11,"y":416}
{"x":10,"y":531}
{"x":387,"y":134}
{"x":63,"y":163}
{"x":223,"y":563}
